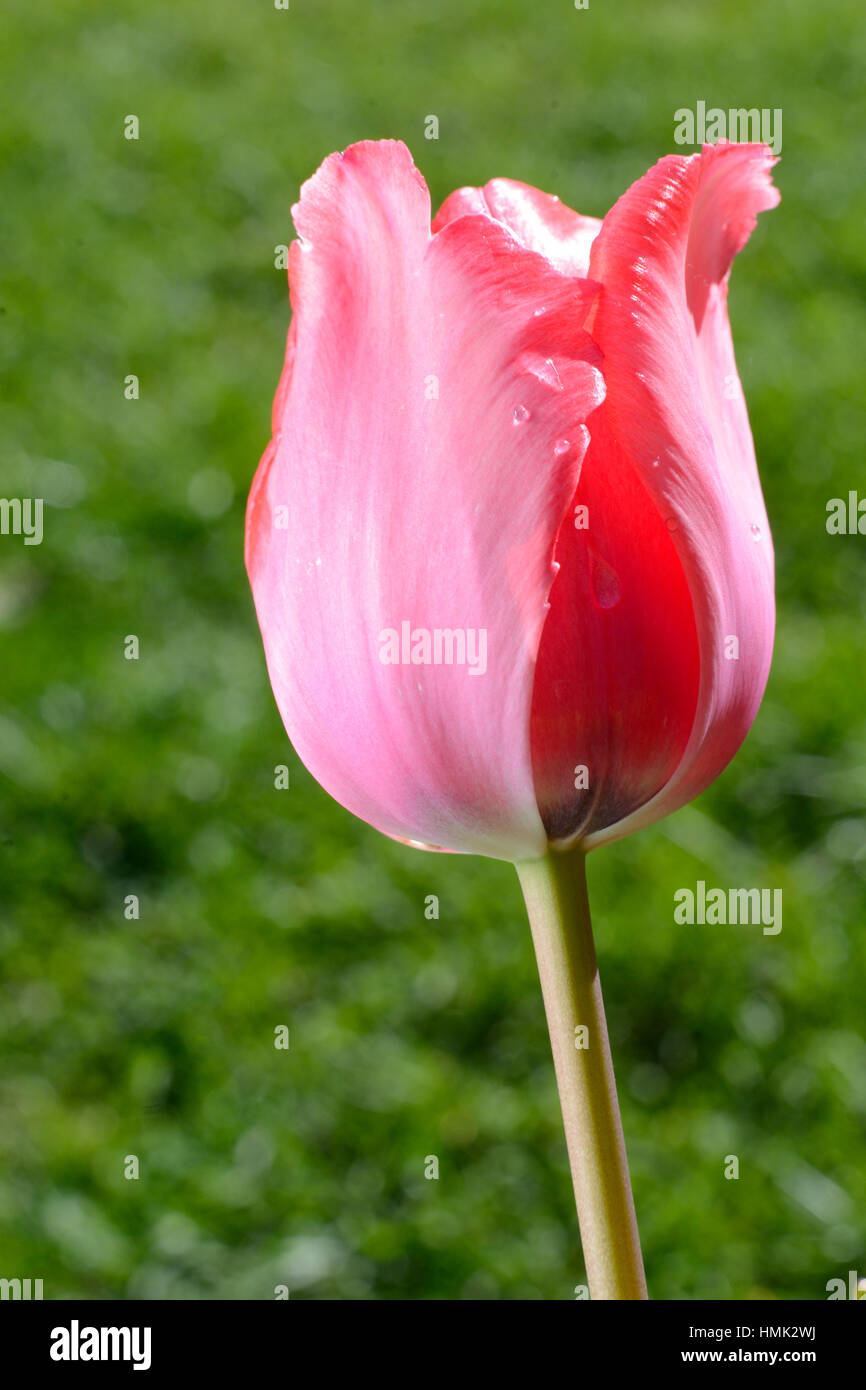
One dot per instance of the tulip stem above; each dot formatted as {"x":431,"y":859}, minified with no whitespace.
{"x":556,"y":899}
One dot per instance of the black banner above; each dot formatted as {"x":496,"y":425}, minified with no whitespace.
{"x":84,"y":1339}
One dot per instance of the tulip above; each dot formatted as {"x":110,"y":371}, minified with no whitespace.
{"x":513,"y":445}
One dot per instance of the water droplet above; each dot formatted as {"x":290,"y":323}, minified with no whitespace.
{"x":756,"y":531}
{"x":521,"y":415}
{"x":655,"y":463}
{"x":537,"y":312}
{"x":561,"y":447}
{"x":605,"y":582}
{"x":671,"y":523}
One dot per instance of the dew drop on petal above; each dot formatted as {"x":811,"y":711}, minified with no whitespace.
{"x":521,"y":415}
{"x":756,"y":531}
{"x":671,"y":523}
{"x":561,"y":447}
{"x":605,"y":582}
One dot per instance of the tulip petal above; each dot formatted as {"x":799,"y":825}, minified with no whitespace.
{"x":539,"y":221}
{"x":663,"y":257}
{"x":618,"y":667}
{"x":616,"y":685}
{"x":414,"y":478}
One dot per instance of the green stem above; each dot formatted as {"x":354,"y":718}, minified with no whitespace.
{"x":556,"y":899}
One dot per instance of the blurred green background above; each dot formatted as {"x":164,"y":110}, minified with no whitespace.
{"x":258,"y":907}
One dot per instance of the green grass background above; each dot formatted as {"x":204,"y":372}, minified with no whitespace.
{"x":261,"y":907}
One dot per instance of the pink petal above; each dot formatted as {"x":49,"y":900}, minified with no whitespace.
{"x":673,"y":395}
{"x":440,"y":512}
{"x":618,"y":668}
{"x":539,"y":221}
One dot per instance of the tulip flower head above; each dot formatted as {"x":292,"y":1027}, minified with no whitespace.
{"x":508,"y":547}
{"x":513,"y":446}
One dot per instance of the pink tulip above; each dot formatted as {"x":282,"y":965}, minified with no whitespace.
{"x":526,"y":424}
